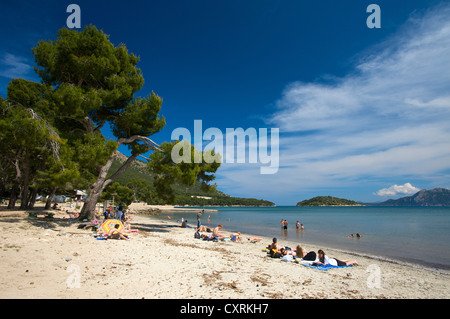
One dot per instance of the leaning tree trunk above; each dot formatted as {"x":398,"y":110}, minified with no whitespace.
{"x":88,"y":210}
{"x":96,"y":191}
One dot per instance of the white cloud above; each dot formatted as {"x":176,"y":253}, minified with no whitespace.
{"x":14,"y":66}
{"x":405,"y":189}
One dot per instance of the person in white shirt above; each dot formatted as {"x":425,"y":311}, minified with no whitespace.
{"x":325,"y":260}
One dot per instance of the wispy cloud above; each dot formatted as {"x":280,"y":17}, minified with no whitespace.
{"x":387,"y":118}
{"x":394,"y":190}
{"x":12,"y":66}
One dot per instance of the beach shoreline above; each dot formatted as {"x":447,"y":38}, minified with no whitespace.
{"x":139,"y":208}
{"x":343,"y":251}
{"x":40,"y":257}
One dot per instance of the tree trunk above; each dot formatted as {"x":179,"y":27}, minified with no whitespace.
{"x":32,"y":198}
{"x":13,"y":197}
{"x":26,"y":182}
{"x":15,"y":188}
{"x":88,"y":210}
{"x":48,"y":204}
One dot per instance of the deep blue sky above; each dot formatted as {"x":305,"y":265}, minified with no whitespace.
{"x":224,"y":62}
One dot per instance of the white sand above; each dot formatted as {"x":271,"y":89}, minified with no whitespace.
{"x":44,"y":259}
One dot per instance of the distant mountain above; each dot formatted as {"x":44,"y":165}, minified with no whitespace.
{"x":328,"y":201}
{"x":433,"y":197}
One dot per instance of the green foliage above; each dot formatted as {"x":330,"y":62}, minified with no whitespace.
{"x":60,"y":173}
{"x":90,"y":152}
{"x":186,"y":173}
{"x":88,"y":59}
{"x":144,"y":191}
{"x":140,"y":118}
{"x":193,"y":200}
{"x":327,"y":201}
{"x":91,"y":77}
{"x":121,"y":194}
{"x":31,"y":95}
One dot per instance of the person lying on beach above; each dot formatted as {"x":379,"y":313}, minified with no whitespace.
{"x":325,"y":260}
{"x":302,"y":254}
{"x":114,"y":233}
{"x":203,"y":228}
{"x":216,"y":232}
{"x":73,"y":215}
{"x":276,"y":250}
{"x":236,"y":236}
{"x":274,"y":253}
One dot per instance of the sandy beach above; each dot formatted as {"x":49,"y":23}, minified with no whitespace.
{"x":52,"y":258}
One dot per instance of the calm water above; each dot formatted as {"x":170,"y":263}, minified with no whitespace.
{"x":418,"y":235}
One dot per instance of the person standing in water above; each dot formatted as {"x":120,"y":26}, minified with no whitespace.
{"x":198,"y":219}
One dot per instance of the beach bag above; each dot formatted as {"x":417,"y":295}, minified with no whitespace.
{"x":274,"y":253}
{"x":197,"y":235}
{"x":287,"y":258}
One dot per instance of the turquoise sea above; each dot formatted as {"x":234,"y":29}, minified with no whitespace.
{"x":418,"y":235}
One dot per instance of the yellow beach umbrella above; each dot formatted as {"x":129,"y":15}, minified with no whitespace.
{"x":110,"y":224}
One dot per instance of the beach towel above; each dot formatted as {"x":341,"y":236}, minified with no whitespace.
{"x":324,"y":267}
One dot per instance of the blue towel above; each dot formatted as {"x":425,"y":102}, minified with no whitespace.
{"x":324,"y":267}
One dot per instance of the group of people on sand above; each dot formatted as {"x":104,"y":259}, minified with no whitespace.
{"x":123,"y":218}
{"x":72,"y":215}
{"x":216,"y":234}
{"x":319,"y":258}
